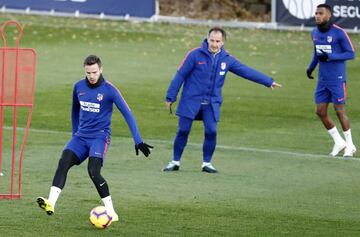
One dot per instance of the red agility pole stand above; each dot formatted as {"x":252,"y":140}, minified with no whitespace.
{"x":17,"y":70}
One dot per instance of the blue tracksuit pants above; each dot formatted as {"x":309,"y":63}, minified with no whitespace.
{"x":183,"y":132}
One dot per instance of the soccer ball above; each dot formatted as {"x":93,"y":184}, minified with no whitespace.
{"x":100,"y":217}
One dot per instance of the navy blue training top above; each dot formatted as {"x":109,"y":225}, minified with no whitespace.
{"x":336,"y":43}
{"x":92,"y":109}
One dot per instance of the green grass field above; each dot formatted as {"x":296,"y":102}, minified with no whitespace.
{"x":275,"y":178}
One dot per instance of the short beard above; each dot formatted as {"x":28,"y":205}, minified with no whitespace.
{"x":324,"y":26}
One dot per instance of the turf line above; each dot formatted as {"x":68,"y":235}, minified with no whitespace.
{"x":224,"y":147}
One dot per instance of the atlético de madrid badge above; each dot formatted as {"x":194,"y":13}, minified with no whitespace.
{"x":223,"y":66}
{"x":100,"y":97}
{"x":329,"y":39}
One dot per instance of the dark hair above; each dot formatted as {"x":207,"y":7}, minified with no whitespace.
{"x":218,"y":29}
{"x":91,"y":60}
{"x":326,"y":6}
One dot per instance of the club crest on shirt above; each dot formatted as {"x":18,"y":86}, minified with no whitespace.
{"x":100,"y":97}
{"x":329,"y":39}
{"x":223,"y":66}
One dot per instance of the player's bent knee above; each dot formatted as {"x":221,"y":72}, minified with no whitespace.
{"x":94,"y":167}
{"x":67,"y":160}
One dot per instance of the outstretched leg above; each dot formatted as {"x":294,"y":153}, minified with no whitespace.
{"x":68,"y":159}
{"x":94,"y":170}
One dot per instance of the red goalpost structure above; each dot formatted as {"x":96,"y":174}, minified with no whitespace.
{"x":17,"y":70}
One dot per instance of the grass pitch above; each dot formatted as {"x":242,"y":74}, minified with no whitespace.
{"x":275,"y":178}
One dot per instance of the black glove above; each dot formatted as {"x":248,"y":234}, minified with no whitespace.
{"x":144,"y":148}
{"x":308,"y":73}
{"x":324,"y":56}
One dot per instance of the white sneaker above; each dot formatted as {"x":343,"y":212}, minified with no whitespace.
{"x":349,"y":151}
{"x":337,"y":148}
{"x":172,"y":166}
{"x":208,"y":168}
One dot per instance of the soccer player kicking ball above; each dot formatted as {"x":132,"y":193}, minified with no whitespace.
{"x":92,"y":107}
{"x":202,"y":74}
{"x":332,"y":47}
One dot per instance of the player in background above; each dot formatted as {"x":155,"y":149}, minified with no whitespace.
{"x":332,"y":47}
{"x":202,"y":75}
{"x":93,"y":99}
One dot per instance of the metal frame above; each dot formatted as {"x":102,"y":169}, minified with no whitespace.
{"x":15,"y":192}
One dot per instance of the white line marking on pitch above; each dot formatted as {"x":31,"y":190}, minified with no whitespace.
{"x":225,"y":147}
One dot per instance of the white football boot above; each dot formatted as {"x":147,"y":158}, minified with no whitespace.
{"x":349,"y":151}
{"x":172,"y":166}
{"x":337,"y":148}
{"x":208,"y":168}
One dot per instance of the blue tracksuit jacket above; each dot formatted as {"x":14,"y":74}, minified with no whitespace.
{"x":203,"y":75}
{"x":92,"y":109}
{"x":337,"y":44}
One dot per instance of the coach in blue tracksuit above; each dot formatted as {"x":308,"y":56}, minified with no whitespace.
{"x":332,"y":47}
{"x":202,"y":74}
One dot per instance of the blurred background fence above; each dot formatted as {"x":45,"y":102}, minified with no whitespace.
{"x":273,"y":14}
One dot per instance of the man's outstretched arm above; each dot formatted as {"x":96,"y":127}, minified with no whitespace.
{"x":131,"y":122}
